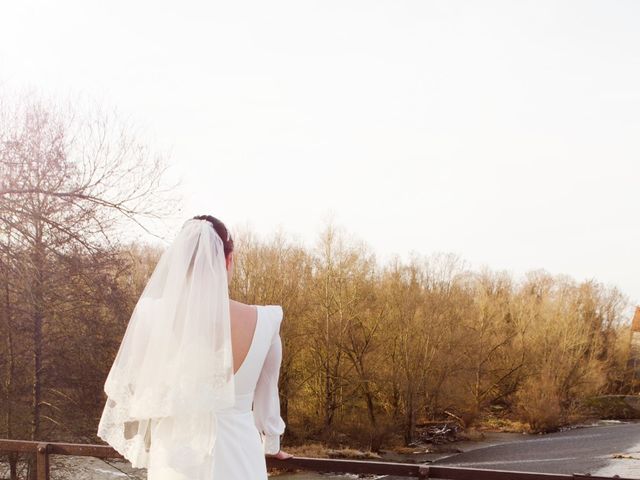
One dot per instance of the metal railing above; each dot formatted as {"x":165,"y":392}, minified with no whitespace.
{"x":42,"y":450}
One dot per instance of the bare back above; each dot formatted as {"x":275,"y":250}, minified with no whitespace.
{"x":243,"y":326}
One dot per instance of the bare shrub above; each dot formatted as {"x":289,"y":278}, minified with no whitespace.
{"x":538,"y":403}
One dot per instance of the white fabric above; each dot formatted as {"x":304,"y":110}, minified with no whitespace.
{"x":174,"y":368}
{"x":243,"y":436}
{"x":266,"y":403}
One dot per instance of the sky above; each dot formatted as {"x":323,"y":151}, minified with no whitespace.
{"x":506,"y":132}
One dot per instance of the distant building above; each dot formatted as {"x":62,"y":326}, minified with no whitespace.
{"x":634,"y":350}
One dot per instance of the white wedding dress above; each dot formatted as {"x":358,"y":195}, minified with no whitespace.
{"x":243,"y":435}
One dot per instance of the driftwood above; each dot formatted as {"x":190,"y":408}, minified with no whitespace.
{"x":440,"y":433}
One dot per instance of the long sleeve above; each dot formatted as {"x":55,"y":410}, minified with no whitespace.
{"x":266,"y":400}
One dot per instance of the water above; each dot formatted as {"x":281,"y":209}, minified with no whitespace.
{"x":625,"y":464}
{"x":385,"y":457}
{"x":491,"y":438}
{"x":316,"y":476}
{"x":328,"y":476}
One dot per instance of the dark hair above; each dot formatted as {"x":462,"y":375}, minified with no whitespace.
{"x":220,"y":228}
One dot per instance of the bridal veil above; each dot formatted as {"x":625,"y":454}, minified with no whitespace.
{"x":174,"y":367}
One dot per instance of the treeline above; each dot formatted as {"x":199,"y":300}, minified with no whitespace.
{"x":371,"y":350}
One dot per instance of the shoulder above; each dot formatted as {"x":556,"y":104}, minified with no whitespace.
{"x":273,"y":312}
{"x":276,"y":312}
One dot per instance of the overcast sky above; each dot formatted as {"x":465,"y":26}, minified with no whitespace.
{"x":507,"y":132}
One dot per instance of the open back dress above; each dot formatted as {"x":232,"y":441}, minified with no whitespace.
{"x":252,"y":427}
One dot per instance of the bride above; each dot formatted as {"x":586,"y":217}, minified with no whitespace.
{"x":193,"y":391}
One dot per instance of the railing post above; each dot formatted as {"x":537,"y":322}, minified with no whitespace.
{"x":42,"y":461}
{"x":13,"y":466}
{"x":423,"y":471}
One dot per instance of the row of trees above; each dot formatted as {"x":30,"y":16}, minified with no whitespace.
{"x":374,"y":350}
{"x":370,"y":351}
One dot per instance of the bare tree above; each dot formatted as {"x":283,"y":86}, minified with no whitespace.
{"x":70,"y":180}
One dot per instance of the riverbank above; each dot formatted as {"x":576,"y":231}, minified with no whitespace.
{"x":486,"y":435}
{"x":419,"y":453}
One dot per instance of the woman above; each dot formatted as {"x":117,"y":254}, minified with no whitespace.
{"x":191,"y":366}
